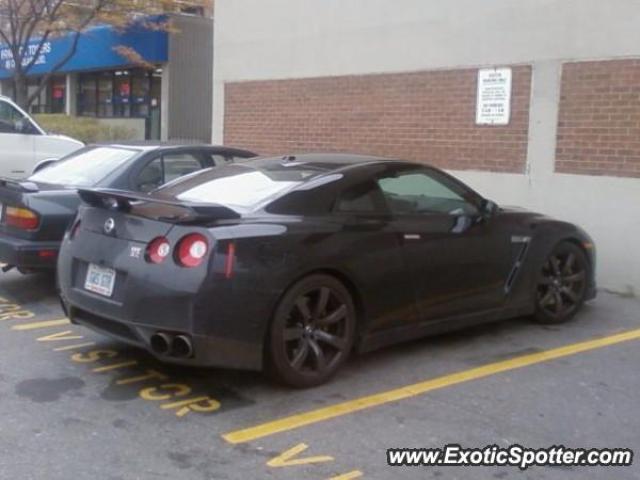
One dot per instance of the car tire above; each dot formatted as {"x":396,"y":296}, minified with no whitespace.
{"x":311,"y":333}
{"x":561,"y":284}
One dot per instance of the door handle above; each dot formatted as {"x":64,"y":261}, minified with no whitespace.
{"x":412,"y":236}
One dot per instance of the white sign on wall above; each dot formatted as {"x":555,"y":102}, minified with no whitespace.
{"x":494,"y":96}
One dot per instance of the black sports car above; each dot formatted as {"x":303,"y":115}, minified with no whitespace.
{"x":34,"y":213}
{"x":291,"y":262}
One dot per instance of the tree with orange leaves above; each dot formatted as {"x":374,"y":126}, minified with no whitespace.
{"x":27,"y":26}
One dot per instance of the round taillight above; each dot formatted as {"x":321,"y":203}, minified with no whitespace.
{"x":158,"y":250}
{"x":192,"y":250}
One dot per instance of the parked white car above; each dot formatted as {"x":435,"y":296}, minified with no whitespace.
{"x":24,"y":145}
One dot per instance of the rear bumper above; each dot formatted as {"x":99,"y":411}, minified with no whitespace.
{"x":27,"y":253}
{"x":224,"y":319}
{"x":209,"y":350}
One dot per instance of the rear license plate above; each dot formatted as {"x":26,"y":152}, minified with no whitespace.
{"x":100,"y":280}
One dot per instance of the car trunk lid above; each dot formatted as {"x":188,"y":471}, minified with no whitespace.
{"x":118,"y":224}
{"x":142,"y":218}
{"x":14,"y":193}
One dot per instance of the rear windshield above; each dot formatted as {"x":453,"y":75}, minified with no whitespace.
{"x":85,"y":168}
{"x":240,"y":186}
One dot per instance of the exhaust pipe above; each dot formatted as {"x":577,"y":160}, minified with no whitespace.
{"x":161,"y":343}
{"x":181,"y":347}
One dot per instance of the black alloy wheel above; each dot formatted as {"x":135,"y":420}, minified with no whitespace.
{"x":312,"y":332}
{"x":562,"y":284}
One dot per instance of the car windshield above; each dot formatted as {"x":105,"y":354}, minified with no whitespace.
{"x":85,"y":168}
{"x":239,"y":186}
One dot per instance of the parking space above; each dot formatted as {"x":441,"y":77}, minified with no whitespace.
{"x":67,"y":394}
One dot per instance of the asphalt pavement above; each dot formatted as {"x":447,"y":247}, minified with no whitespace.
{"x":76,"y":405}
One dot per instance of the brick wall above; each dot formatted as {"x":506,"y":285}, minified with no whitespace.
{"x":425,"y":116}
{"x":599,"y":120}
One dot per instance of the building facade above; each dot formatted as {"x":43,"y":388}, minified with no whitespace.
{"x":401,"y":79}
{"x":155,"y":101}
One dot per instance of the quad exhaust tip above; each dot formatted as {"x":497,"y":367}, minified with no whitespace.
{"x":161,"y":343}
{"x":182,"y":347}
{"x":178,"y":346}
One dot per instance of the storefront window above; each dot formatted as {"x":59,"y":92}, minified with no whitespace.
{"x":39,"y":104}
{"x":120,"y":93}
{"x":87,"y":95}
{"x":105,"y":95}
{"x":153,"y":121}
{"x":51,"y":99}
{"x":140,"y":88}
{"x":58,"y":94}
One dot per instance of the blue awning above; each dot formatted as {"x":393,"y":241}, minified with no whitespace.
{"x":96,"y":50}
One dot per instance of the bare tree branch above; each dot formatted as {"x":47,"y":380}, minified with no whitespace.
{"x":26,"y":26}
{"x":47,"y":76}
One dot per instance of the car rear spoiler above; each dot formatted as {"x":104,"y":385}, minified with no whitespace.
{"x":125,"y":201}
{"x":22,"y":186}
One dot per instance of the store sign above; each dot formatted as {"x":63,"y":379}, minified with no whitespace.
{"x":9,"y":63}
{"x":97,"y":49}
{"x":494,"y":96}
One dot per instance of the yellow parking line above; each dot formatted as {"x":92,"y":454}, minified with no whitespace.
{"x":402,"y":393}
{"x":117,"y":366}
{"x":74,"y":347}
{"x":36,"y":325}
{"x":348,"y":476}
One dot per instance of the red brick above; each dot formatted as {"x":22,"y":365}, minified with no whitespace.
{"x":424,"y":116}
{"x":599,"y":118}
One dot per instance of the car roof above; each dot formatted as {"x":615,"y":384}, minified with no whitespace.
{"x":322,"y":162}
{"x":325,"y":163}
{"x":329,"y":158}
{"x":295,"y":173}
{"x":148,"y":146}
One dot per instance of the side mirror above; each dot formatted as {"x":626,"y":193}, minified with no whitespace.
{"x":488,"y":208}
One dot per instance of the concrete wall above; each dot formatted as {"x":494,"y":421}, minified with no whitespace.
{"x":279,"y":39}
{"x":188,"y":108}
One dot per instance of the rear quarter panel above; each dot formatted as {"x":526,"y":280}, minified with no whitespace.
{"x":272,"y":256}
{"x":57,"y":210}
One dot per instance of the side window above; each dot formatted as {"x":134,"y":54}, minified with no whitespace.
{"x":218,"y":159}
{"x":361,"y":198}
{"x":12,"y":121}
{"x":423,"y":192}
{"x":236,"y":158}
{"x":151,"y":176}
{"x":178,"y":164}
{"x":165,"y":169}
